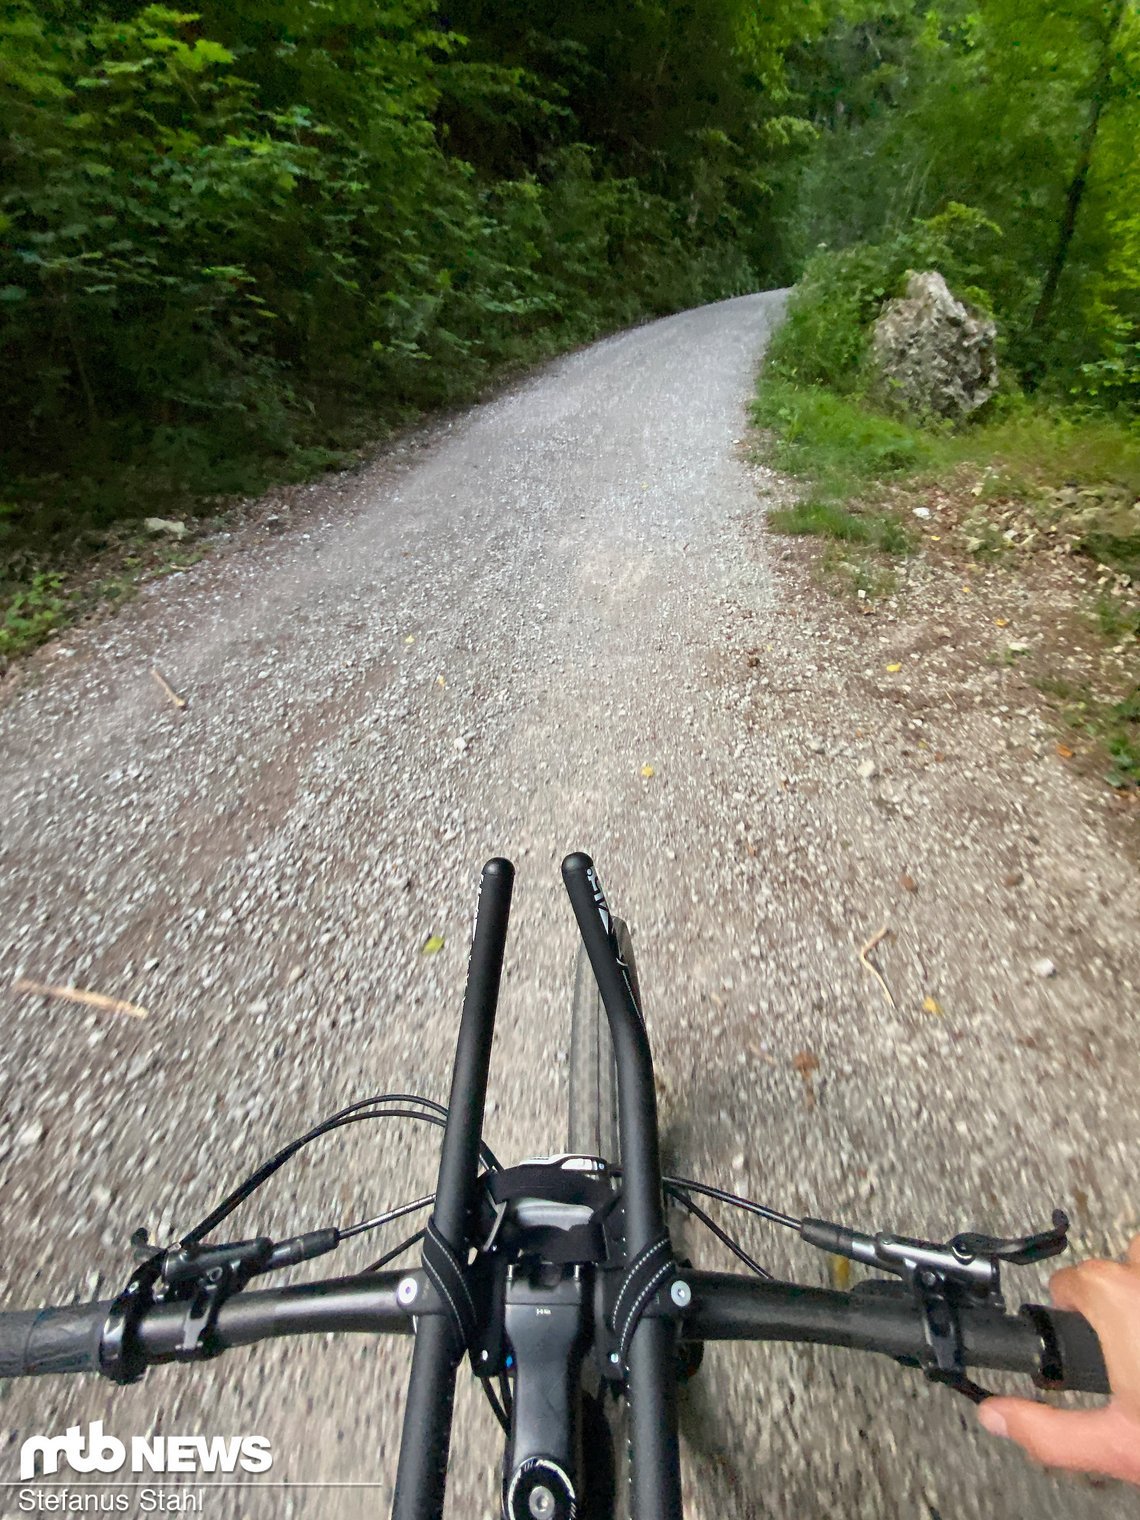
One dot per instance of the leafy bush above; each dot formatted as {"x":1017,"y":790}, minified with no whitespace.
{"x":236,"y":242}
{"x":31,"y":614}
{"x":824,"y":339}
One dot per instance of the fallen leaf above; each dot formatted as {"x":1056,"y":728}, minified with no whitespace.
{"x":411,"y":639}
{"x":439,"y":681}
{"x":1013,"y":879}
{"x":1065,"y":752}
{"x":908,"y":882}
{"x":965,"y":588}
{"x":79,"y":995}
{"x":1001,"y":622}
{"x":647,"y":771}
{"x":839,"y":1269}
{"x":931,"y":1005}
{"x":432,"y":945}
{"x":893,"y":670}
{"x":806,"y":1063}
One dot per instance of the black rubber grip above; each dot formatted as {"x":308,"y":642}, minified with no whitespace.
{"x":35,"y":1341}
{"x":1074,"y":1358}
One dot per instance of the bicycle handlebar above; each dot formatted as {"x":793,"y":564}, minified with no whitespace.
{"x":1054,"y":1347}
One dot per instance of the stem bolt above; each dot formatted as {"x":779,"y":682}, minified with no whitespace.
{"x":615,"y":1358}
{"x":681,"y":1294}
{"x":406,"y":1292}
{"x":541,"y":1503}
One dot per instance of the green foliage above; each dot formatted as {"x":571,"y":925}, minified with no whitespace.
{"x":1116,"y":618}
{"x":31,"y":614}
{"x":834,"y":440}
{"x":238,"y":240}
{"x":1028,"y":446}
{"x":824,"y":339}
{"x":827,"y":519}
{"x":1029,"y":112}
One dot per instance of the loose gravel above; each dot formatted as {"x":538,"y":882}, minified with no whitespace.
{"x":481,"y":644}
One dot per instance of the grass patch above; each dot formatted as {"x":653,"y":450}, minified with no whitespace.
{"x":1114,"y":727}
{"x":1028,"y":448}
{"x":827,"y":519}
{"x":863,"y":575}
{"x":1115,"y":618}
{"x":835,"y":440}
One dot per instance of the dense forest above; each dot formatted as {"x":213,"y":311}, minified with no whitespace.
{"x":237,"y":241}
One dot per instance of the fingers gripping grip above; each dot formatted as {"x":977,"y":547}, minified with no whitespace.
{"x":36,"y":1341}
{"x":1073,"y":1356}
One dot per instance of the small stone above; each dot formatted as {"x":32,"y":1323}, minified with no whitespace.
{"x":738,"y":1162}
{"x":908,"y":883}
{"x":1044,"y":967}
{"x":257,"y":1008}
{"x":1012,"y":879}
{"x":294,"y":976}
{"x":461,"y":744}
{"x":143,"y":1064}
{"x":922,"y":512}
{"x":165,"y":525}
{"x":30,"y":1136}
{"x":816,"y":746}
{"x":868,"y":770}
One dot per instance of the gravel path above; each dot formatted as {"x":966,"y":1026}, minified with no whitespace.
{"x":475,"y":647}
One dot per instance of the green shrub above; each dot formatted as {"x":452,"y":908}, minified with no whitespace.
{"x":825,"y":336}
{"x":31,"y":614}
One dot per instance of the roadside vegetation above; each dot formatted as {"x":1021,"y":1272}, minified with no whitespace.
{"x":241,"y":243}
{"x":994,"y":148}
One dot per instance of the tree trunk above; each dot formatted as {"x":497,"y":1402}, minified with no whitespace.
{"x":1079,"y":181}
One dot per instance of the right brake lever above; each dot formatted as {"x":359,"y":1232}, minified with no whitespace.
{"x":1021,"y":1251}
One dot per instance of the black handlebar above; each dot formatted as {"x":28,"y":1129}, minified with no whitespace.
{"x":422,"y":1471}
{"x":655,"y":1466}
{"x":1058,"y":1350}
{"x":1052,"y":1346}
{"x":35,"y":1341}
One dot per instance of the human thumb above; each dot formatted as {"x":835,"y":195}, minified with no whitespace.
{"x":1094,"y":1440}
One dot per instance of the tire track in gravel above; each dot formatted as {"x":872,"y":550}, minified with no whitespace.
{"x":477,"y":655}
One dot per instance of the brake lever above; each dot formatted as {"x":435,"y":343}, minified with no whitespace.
{"x":971,"y":1261}
{"x":942,"y":1278}
{"x":1021,"y":1251}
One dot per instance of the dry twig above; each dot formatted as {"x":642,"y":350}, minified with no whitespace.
{"x":79,"y":995}
{"x":864,"y":952}
{"x":179,"y":702}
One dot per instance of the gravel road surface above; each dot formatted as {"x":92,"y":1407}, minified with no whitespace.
{"x":483,"y":644}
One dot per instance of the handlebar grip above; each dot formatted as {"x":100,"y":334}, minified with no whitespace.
{"x":67,"y":1339}
{"x":1074,"y":1358}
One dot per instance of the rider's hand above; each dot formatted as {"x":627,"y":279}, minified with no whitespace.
{"x":1099,"y":1440}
